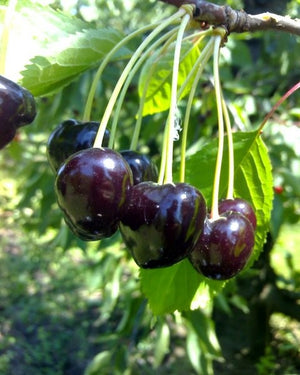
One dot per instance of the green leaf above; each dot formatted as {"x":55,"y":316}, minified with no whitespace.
{"x":202,"y":342}
{"x":254,"y":183}
{"x":33,"y":30}
{"x":54,"y":48}
{"x":162,"y":344}
{"x":159,"y":86}
{"x":205,"y":330}
{"x":72,"y":56}
{"x":194,"y":351}
{"x":173,"y":288}
{"x":101,"y":363}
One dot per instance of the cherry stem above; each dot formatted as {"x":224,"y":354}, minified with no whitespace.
{"x":106,"y":60}
{"x":5,"y":33}
{"x":230,"y":189}
{"x":149,"y":75}
{"x":126,"y":71}
{"x":190,"y":76}
{"x":199,"y":66}
{"x":216,"y":186}
{"x":127,"y":83}
{"x":138,"y":123}
{"x":170,"y":126}
{"x":193,"y":71}
{"x":279,"y":102}
{"x":163,"y":161}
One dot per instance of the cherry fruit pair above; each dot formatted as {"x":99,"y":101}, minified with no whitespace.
{"x":100,"y":190}
{"x":92,"y":184}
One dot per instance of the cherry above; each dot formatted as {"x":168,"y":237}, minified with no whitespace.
{"x":241,"y":206}
{"x":143,"y":169}
{"x":69,"y":137}
{"x":91,"y":187}
{"x":278,"y":189}
{"x":224,"y":246}
{"x":17,"y":108}
{"x":161,"y":223}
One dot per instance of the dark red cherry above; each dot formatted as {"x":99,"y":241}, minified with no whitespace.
{"x":161,"y":223}
{"x":143,"y":169}
{"x":17,"y":108}
{"x":91,"y":187}
{"x":69,"y":137}
{"x":224,"y":246}
{"x":238,"y":205}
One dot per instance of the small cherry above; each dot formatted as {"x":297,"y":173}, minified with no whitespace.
{"x":143,"y":168}
{"x":224,"y":246}
{"x":69,"y":137}
{"x":239,"y":205}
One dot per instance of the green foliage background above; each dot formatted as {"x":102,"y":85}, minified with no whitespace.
{"x":52,"y":282}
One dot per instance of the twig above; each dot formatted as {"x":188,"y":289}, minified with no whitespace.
{"x":237,"y":20}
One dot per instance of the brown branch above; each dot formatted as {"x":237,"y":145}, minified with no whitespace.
{"x":237,"y":20}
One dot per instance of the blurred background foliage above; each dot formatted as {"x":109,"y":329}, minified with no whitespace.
{"x":70,"y":307}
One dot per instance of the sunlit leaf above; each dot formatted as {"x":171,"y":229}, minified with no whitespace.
{"x":160,"y":67}
{"x":53,"y":47}
{"x":172,"y":288}
{"x":33,"y":29}
{"x":205,"y":330}
{"x":73,"y":55}
{"x":202,"y":342}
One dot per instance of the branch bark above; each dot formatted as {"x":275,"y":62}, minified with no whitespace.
{"x":237,"y":20}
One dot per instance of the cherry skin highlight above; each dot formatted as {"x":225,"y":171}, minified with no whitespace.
{"x":161,"y":223}
{"x":91,"y":187}
{"x":224,"y":246}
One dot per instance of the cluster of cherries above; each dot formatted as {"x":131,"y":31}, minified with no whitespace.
{"x":17,"y":108}
{"x":101,"y":190}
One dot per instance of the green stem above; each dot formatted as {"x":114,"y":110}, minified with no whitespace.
{"x":216,"y":186}
{"x":163,"y":160}
{"x":126,"y":71}
{"x":138,"y":123}
{"x":128,"y":81}
{"x":192,"y":72}
{"x":5,"y":33}
{"x":199,"y":65}
{"x":168,"y":178}
{"x":106,"y":60}
{"x":230,"y":188}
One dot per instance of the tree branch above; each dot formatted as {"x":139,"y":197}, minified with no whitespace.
{"x":237,"y":20}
